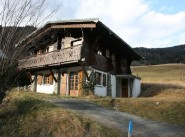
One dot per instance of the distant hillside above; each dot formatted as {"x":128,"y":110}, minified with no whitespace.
{"x":11,"y":35}
{"x":14,"y":34}
{"x":155,"y":56}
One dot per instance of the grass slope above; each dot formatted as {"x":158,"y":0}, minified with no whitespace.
{"x":168,"y":73}
{"x":26,"y":114}
{"x":162,"y":98}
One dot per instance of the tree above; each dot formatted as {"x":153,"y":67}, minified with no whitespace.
{"x":13,"y":14}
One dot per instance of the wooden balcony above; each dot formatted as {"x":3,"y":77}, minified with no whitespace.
{"x":64,"y":56}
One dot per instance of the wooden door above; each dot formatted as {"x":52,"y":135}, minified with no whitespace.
{"x":63,"y":84}
{"x":80,"y":80}
{"x":124,"y":87}
{"x":73,"y":84}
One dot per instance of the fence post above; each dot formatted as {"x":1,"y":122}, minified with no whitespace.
{"x":130,"y":126}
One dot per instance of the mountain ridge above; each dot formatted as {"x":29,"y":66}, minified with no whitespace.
{"x":154,"y":56}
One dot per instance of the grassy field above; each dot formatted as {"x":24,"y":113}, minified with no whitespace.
{"x":26,"y":114}
{"x":165,"y":74}
{"x":162,"y":98}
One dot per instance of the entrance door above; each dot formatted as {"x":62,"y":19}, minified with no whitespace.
{"x":63,"y":85}
{"x":73,"y":81}
{"x":124,"y":87}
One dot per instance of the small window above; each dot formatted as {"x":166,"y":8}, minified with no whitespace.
{"x":98,"y":78}
{"x":101,"y":79}
{"x":48,"y":79}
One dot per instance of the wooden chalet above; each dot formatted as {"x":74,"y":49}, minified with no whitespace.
{"x":65,"y":53}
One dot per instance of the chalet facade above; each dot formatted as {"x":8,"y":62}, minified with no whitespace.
{"x":64,"y":54}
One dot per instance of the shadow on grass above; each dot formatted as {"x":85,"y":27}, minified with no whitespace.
{"x":154,"y":89}
{"x":13,"y":113}
{"x":25,"y":106}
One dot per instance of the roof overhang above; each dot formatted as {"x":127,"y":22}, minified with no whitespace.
{"x":80,"y":24}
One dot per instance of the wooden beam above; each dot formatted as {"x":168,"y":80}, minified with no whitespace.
{"x":29,"y":76}
{"x":84,"y":70}
{"x":52,"y":73}
{"x":74,"y":26}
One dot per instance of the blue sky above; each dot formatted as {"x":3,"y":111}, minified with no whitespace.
{"x":168,"y":6}
{"x":141,"y":23}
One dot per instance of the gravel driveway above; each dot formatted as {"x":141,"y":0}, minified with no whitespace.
{"x":120,"y":120}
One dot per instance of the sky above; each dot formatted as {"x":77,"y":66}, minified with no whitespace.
{"x":141,"y":23}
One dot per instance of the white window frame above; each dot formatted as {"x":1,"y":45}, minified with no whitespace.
{"x":101,"y":79}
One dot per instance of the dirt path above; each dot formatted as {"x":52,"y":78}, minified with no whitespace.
{"x":120,"y":120}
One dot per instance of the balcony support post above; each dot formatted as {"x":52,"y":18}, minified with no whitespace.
{"x":84,"y":71}
{"x":52,"y":73}
{"x":28,"y":73}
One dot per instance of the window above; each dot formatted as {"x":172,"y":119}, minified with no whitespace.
{"x":98,"y":78}
{"x":46,"y":79}
{"x":101,"y":79}
{"x":73,"y":81}
{"x":98,"y":49}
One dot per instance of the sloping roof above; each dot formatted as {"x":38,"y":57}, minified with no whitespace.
{"x":98,"y":24}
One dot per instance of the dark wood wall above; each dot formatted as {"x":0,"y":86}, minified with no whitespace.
{"x":94,"y":51}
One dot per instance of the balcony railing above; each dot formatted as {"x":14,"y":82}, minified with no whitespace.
{"x":67,"y":55}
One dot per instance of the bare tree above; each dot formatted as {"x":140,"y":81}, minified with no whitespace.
{"x":13,"y":14}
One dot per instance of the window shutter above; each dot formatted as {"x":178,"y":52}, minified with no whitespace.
{"x":104,"y":80}
{"x":80,"y":80}
{"x":39,"y":79}
{"x":50,"y":79}
{"x":80,"y":75}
